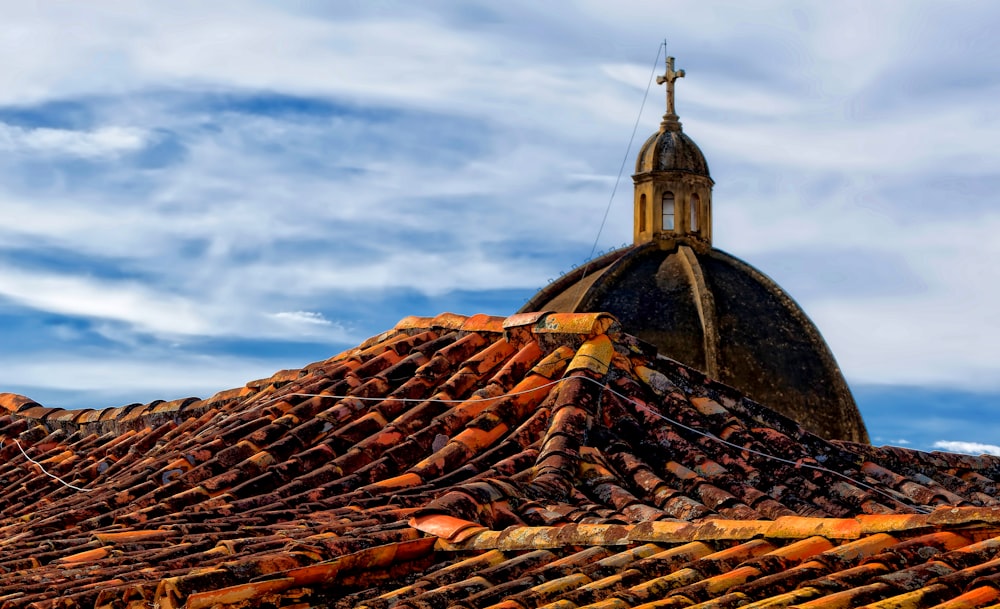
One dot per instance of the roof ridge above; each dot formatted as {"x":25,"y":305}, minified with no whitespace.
{"x":460,"y":534}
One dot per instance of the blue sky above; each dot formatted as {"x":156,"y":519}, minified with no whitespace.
{"x":197,"y":194}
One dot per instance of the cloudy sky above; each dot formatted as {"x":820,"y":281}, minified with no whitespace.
{"x":196,"y":194}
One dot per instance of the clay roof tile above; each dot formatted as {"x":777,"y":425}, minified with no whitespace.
{"x":575,"y":467}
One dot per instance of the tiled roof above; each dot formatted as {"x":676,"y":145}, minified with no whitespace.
{"x":537,"y":460}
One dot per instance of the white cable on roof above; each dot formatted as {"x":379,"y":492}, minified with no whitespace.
{"x":693,"y":430}
{"x":41,"y":467}
{"x":604,"y":386}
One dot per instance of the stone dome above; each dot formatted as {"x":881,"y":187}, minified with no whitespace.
{"x":714,"y":312}
{"x":671,"y":151}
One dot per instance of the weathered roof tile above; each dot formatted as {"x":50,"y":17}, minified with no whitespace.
{"x":541,"y":459}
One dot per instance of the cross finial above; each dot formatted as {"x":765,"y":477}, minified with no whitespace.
{"x":670,"y":118}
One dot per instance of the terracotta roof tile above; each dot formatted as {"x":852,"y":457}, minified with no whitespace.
{"x":542,"y":459}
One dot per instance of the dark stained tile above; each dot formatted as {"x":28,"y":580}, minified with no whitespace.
{"x":540,"y":459}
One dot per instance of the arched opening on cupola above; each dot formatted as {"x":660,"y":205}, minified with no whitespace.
{"x":695,"y":206}
{"x":668,"y":210}
{"x":642,"y":213}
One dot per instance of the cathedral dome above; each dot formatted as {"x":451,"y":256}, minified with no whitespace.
{"x":701,"y":306}
{"x":671,"y":151}
{"x":714,"y":312}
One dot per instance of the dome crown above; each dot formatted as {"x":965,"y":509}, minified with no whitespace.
{"x":671,"y":151}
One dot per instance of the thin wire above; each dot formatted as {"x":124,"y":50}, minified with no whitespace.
{"x":41,"y":467}
{"x":437,"y":400}
{"x":621,"y":169}
{"x":711,"y":436}
{"x":622,"y":396}
{"x":693,"y":430}
{"x":628,"y":151}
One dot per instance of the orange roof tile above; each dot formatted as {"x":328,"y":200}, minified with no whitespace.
{"x":538,"y":460}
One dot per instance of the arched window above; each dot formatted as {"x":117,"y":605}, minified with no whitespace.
{"x":642,"y":213}
{"x":694,"y":204}
{"x":668,"y":211}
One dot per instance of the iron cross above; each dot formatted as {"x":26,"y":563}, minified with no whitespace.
{"x":669,"y":78}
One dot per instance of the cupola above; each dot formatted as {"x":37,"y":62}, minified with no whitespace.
{"x":673,"y":189}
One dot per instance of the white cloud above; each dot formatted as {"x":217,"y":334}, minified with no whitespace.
{"x":144,"y":309}
{"x":129,"y":302}
{"x":101,"y":142}
{"x":303,"y":317}
{"x":149,"y":375}
{"x":971,"y":448}
{"x":901,"y":144}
